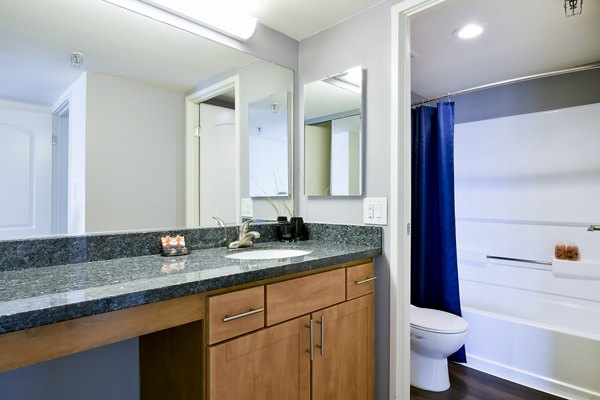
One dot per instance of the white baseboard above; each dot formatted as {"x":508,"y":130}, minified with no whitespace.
{"x":526,"y":378}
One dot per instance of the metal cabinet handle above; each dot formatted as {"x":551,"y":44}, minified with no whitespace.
{"x":242,"y":315}
{"x":311,"y":351}
{"x":365,"y":281}
{"x":321,"y":347}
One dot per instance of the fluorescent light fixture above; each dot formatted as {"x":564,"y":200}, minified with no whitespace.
{"x":352,"y":76}
{"x":469,"y":31}
{"x":350,"y":79}
{"x":208,"y":14}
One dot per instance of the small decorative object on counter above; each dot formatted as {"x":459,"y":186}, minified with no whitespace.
{"x":560,"y":251}
{"x":298,"y":229}
{"x":573,"y":253}
{"x":173,"y":246}
{"x":284,"y":229}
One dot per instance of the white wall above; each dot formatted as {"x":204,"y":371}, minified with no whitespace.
{"x":523,"y":184}
{"x":134,"y":155}
{"x":361,"y":40}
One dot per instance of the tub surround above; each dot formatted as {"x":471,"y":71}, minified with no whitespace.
{"x":109,"y":272}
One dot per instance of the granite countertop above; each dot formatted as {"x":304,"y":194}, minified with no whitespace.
{"x":38,"y":296}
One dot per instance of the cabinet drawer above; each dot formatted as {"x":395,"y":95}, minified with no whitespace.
{"x":289,"y":299}
{"x":235,"y":313}
{"x":360,"y":280}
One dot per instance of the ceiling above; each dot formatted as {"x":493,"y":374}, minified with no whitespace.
{"x":520,"y":38}
{"x":37,"y":36}
{"x":300,"y":19}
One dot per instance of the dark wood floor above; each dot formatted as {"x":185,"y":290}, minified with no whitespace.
{"x":470,"y":384}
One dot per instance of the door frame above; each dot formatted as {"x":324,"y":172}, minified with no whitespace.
{"x":400,"y":195}
{"x":60,"y":168}
{"x":192,"y":153}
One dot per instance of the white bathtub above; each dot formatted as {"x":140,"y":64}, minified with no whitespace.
{"x":548,"y":342}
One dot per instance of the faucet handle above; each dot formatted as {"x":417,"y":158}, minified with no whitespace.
{"x":244,"y":227}
{"x":219,"y":221}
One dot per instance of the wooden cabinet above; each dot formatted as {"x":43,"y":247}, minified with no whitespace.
{"x":272,"y":363}
{"x":316,"y":344}
{"x":343,"y":366}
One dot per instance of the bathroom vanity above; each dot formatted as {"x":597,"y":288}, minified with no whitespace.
{"x":209,"y":326}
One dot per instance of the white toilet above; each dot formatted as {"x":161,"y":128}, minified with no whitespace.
{"x":434,"y":335}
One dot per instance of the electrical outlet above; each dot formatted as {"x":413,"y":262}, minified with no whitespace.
{"x":375,"y":210}
{"x":246,"y":207}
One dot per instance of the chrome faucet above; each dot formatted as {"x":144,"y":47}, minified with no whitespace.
{"x":222,"y":225}
{"x":244,"y":237}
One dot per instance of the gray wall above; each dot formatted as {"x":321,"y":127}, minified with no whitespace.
{"x":361,"y":40}
{"x":108,"y":372}
{"x":537,"y":95}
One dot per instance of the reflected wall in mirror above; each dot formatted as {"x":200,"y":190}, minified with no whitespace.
{"x":269,"y":133}
{"x":333,"y":135}
{"x":103,"y":147}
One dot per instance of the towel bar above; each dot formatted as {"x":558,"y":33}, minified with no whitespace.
{"x":520,"y":260}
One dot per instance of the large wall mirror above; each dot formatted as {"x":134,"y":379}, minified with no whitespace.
{"x":333,"y":135}
{"x":95,"y":120}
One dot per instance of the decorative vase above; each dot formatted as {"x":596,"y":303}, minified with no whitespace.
{"x":298,"y":229}
{"x":284,"y":229}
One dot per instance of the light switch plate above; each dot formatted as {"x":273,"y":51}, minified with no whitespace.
{"x":246,"y":207}
{"x":375,"y":210}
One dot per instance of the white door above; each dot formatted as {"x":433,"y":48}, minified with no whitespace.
{"x":26,"y":168}
{"x":217,"y":165}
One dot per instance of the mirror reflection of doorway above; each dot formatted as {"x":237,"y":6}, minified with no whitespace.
{"x":212,"y":143}
{"x":217,"y":167}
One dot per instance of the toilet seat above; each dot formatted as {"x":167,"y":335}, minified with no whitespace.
{"x":436,"y":321}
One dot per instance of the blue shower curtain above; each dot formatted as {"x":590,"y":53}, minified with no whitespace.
{"x":434,"y":269}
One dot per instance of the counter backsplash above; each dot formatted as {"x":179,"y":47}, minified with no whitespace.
{"x":43,"y":252}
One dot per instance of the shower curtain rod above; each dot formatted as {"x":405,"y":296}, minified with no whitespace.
{"x":509,"y":81}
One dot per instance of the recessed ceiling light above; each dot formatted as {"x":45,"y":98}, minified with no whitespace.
{"x":469,"y":31}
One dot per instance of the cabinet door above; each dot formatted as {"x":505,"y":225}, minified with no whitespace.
{"x":343,"y":366}
{"x":273,"y":363}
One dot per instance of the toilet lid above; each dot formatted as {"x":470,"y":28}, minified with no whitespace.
{"x":436,"y":320}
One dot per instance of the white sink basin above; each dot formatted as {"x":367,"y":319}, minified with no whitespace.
{"x":268,"y":254}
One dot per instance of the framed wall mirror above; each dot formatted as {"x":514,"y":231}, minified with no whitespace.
{"x":333,"y":135}
{"x":93,"y":113}
{"x":269,"y":134}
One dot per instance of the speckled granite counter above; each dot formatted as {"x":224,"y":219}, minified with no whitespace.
{"x":31,"y":297}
